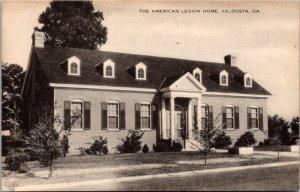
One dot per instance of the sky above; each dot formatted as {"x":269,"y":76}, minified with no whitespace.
{"x":265,"y":41}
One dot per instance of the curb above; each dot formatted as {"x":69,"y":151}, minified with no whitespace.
{"x":62,"y":186}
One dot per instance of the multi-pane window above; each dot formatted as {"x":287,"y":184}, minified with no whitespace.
{"x":224,"y":80}
{"x":248,"y":82}
{"x":108,"y":71}
{"x":145,"y":116}
{"x":141,"y":73}
{"x":77,"y":114}
{"x":74,"y":68}
{"x":254,"y":117}
{"x":229,"y":116}
{"x":198,"y":77}
{"x":113,"y":115}
{"x":204,"y":116}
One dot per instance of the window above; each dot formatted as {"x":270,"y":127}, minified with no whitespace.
{"x":145,"y":116}
{"x":108,"y":71}
{"x":141,"y":71}
{"x":229,"y":117}
{"x":77,"y":114}
{"x":141,"y":74}
{"x":113,"y":115}
{"x":254,"y":117}
{"x":204,"y":116}
{"x":248,"y":83}
{"x":224,"y":78}
{"x":73,"y":66}
{"x":247,"y":80}
{"x":197,"y":76}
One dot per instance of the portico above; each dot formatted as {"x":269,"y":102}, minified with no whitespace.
{"x":179,"y":118}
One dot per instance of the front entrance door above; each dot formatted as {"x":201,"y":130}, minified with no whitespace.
{"x":179,"y":124}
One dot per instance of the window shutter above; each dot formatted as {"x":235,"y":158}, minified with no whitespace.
{"x":249,"y":117}
{"x":195,"y":117}
{"x":104,"y":115}
{"x":224,"y":125}
{"x":87,"y":115}
{"x":122,"y":117}
{"x":210,"y":114}
{"x":137,"y":116}
{"x":237,"y":117}
{"x":67,"y":114}
{"x":154,"y":116}
{"x":261,"y":120}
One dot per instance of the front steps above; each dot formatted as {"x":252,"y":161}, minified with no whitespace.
{"x":191,"y":145}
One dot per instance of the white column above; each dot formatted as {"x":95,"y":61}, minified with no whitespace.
{"x":190,"y":119}
{"x":199,"y":112}
{"x":163,"y":117}
{"x":172,"y":116}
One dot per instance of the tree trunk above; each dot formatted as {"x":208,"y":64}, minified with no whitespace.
{"x":50,"y":168}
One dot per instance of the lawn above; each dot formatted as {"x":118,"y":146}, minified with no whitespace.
{"x":114,"y":159}
{"x":122,"y":165}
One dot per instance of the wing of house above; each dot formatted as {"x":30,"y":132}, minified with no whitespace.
{"x":111,"y":92}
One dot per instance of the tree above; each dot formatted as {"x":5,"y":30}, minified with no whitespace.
{"x":12,"y":81}
{"x":44,"y":140}
{"x":73,"y":24}
{"x":206,"y":136}
{"x":295,"y":127}
{"x":279,"y":127}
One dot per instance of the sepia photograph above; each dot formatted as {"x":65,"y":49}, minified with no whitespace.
{"x":112,"y":95}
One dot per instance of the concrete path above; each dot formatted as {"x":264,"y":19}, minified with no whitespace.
{"x":281,"y":153}
{"x":112,"y":181}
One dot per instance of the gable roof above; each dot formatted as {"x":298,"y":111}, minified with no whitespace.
{"x":160,"y":70}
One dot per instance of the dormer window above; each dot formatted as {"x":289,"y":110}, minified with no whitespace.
{"x":198,"y":74}
{"x":224,"y":78}
{"x":247,"y":80}
{"x":141,"y":74}
{"x":109,"y":69}
{"x":141,"y":71}
{"x":73,"y":66}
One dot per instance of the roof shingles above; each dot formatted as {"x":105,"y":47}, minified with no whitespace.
{"x":158,"y":70}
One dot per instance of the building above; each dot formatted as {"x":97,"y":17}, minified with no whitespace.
{"x":108,"y":93}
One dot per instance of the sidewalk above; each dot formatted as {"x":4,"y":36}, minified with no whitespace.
{"x":281,"y":153}
{"x":113,"y":181}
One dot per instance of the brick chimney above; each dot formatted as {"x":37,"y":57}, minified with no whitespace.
{"x":230,"y":60}
{"x":38,"y":39}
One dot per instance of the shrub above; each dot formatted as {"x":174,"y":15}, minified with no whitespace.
{"x":222,"y":140}
{"x":176,"y":146}
{"x":164,"y":145}
{"x":161,"y":147}
{"x":260,"y":144}
{"x":16,"y":161}
{"x":65,"y":145}
{"x":105,"y":150}
{"x":270,"y":142}
{"x":145,"y":148}
{"x":98,"y":145}
{"x":132,"y":142}
{"x":246,"y":140}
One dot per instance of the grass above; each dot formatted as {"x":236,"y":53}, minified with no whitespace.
{"x":90,"y":161}
{"x":215,"y":160}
